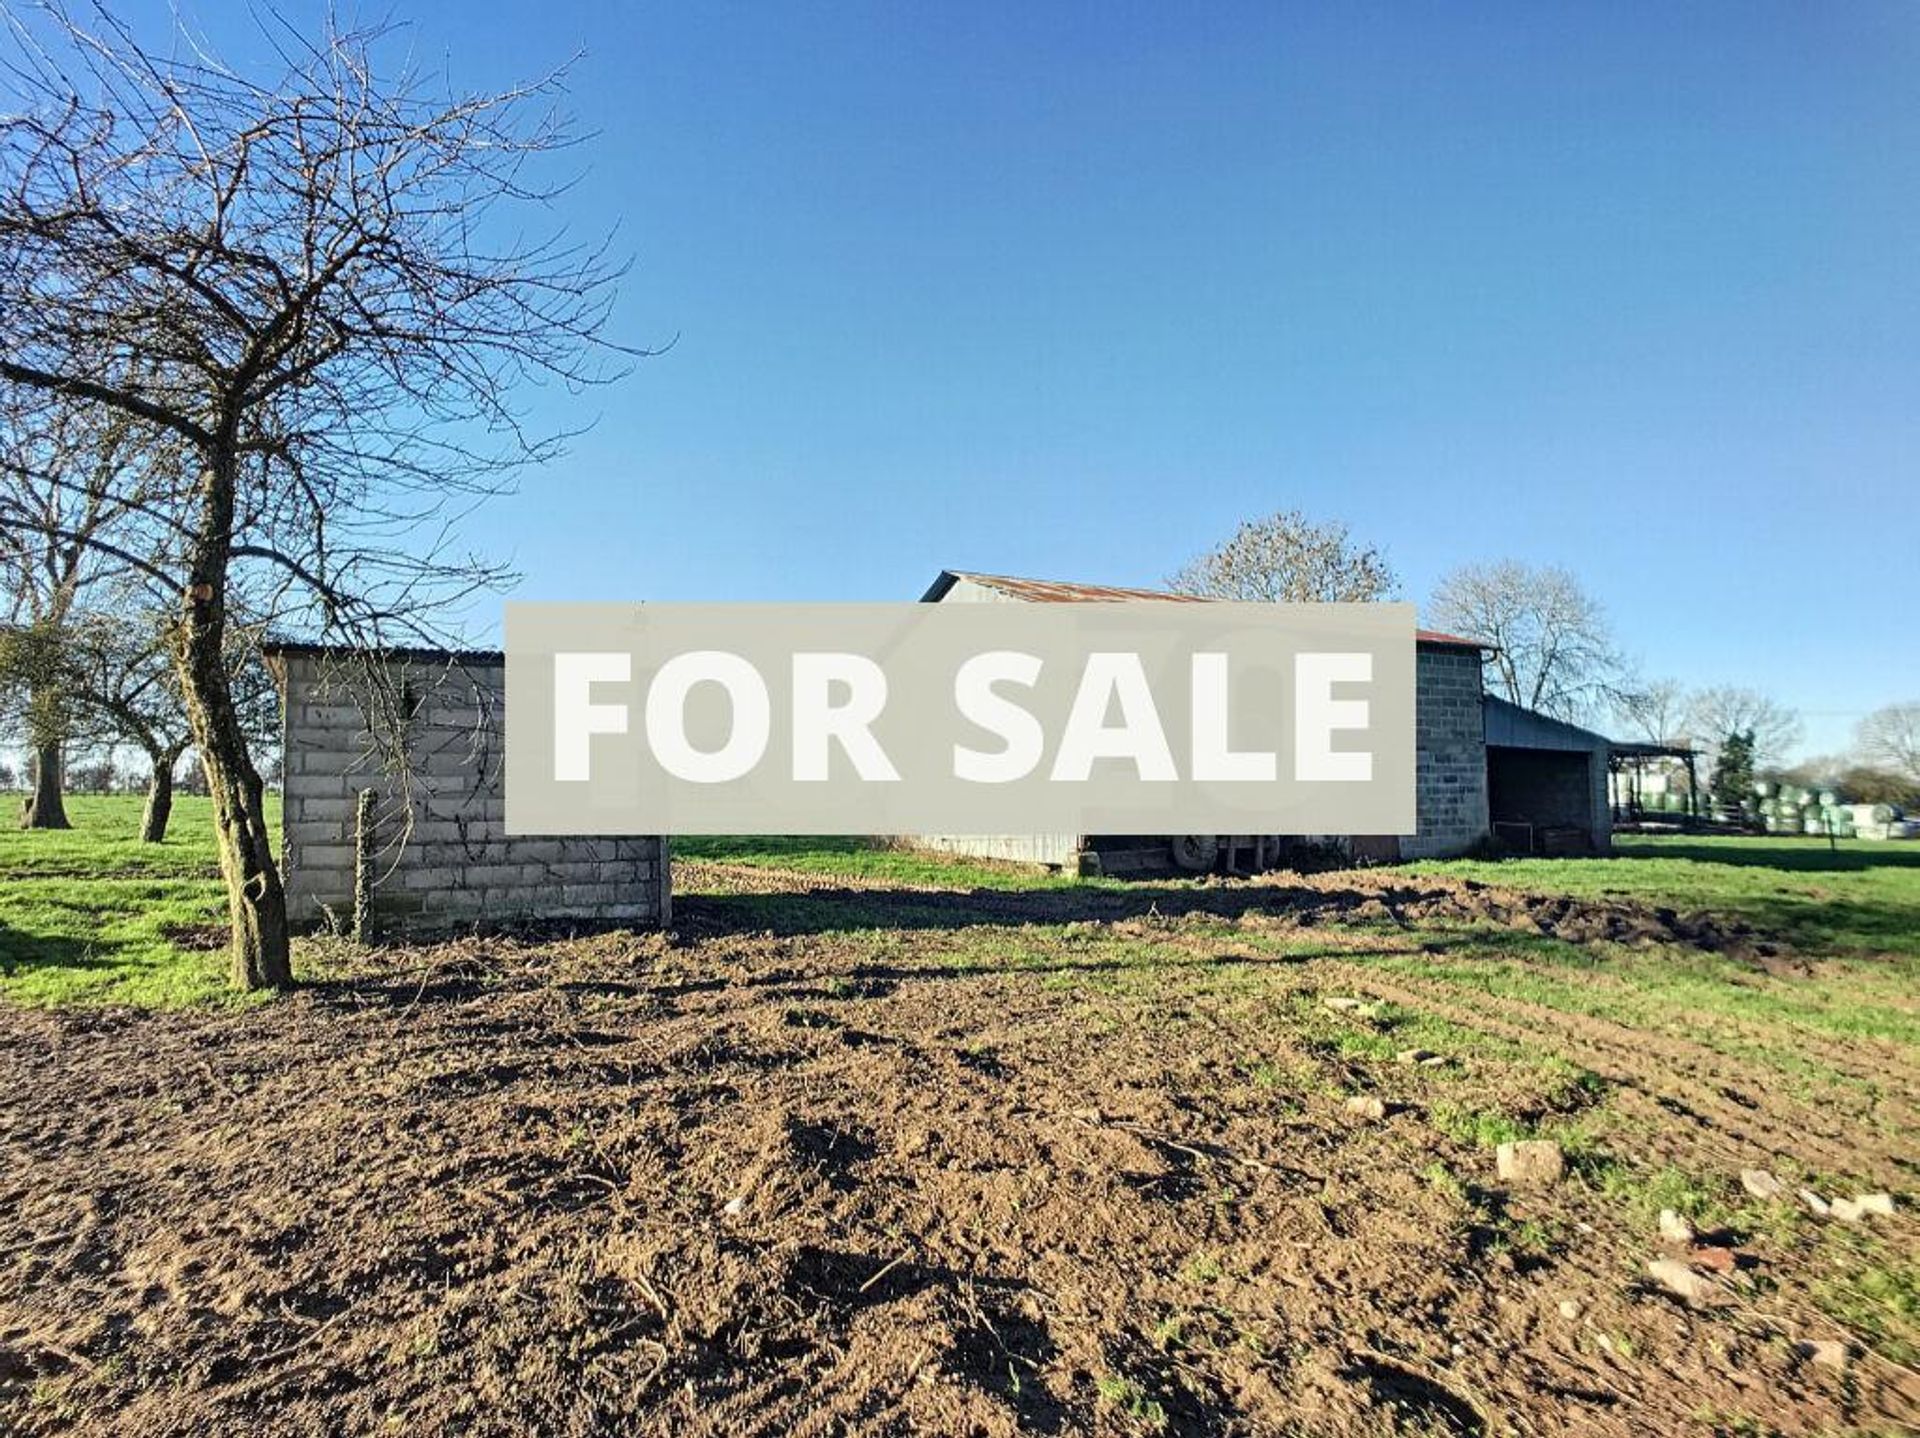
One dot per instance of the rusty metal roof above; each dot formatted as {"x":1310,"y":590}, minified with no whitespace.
{"x":1049,"y":591}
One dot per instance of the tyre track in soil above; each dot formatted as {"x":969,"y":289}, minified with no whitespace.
{"x":1730,"y":1068}
{"x":1717,"y":1104}
{"x":1625,"y":1059}
{"x":844,"y":1396}
{"x":1830,"y":1053}
{"x":1621,"y":1053}
{"x":1670,"y":1077}
{"x":851,"y":1371}
{"x":1841,"y":1056}
{"x":1878,"y":1100}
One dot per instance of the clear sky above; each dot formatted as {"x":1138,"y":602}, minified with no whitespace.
{"x":1069,"y":290}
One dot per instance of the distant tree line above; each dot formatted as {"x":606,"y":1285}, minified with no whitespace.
{"x":1553,"y":651}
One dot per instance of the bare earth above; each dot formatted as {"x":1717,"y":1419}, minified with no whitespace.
{"x":1052,"y":1162}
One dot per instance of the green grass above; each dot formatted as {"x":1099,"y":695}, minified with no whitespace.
{"x":1857,"y":897}
{"x":87,"y":914}
{"x":1696,"y":996}
{"x":1127,"y":1396}
{"x":1879,"y":1298}
{"x":105,"y":839}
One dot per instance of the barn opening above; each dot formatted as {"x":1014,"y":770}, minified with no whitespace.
{"x":1546,"y":782}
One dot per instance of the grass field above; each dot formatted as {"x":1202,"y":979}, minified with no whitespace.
{"x":1856,"y":895}
{"x":92,"y":915}
{"x":882,"y":1141}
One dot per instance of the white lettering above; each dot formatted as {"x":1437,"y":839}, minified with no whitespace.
{"x":1213,"y":760}
{"x":974,"y":696}
{"x":576,"y":718}
{"x":1138,"y":736}
{"x":816,"y":719}
{"x":1317,"y":715}
{"x":667,"y":716}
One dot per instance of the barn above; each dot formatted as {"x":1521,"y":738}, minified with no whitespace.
{"x":1546,"y":782}
{"x":440,"y":856}
{"x":1533,"y":771}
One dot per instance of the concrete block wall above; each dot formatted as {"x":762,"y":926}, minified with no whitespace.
{"x":445,"y":859}
{"x":1450,"y":754}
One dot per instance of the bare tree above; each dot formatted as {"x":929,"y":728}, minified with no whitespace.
{"x":313,"y":286}
{"x":1715,"y":712}
{"x":1872,"y":784}
{"x":1890,"y":739}
{"x":1655,"y":709}
{"x":33,"y":706}
{"x":64,"y":483}
{"x":1288,"y":558}
{"x":119,"y":674}
{"x":1553,"y":649}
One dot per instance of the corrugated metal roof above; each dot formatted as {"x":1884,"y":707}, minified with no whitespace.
{"x":1049,"y":591}
{"x":1034,"y":591}
{"x":1511,"y":726}
{"x":274,"y":647}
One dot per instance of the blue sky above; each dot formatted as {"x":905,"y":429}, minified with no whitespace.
{"x":1069,"y":290}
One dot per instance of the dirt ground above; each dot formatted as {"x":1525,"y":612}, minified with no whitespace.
{"x":1049,"y":1161}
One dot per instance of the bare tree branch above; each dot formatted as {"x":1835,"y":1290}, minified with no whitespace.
{"x":1286,"y":557}
{"x":1553,"y":650}
{"x":1891,"y":737}
{"x":315,"y":285}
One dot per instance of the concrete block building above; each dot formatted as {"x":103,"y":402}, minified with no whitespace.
{"x":1456,"y":774}
{"x":427,"y":740}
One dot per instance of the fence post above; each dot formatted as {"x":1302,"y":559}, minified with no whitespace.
{"x":365,"y":843}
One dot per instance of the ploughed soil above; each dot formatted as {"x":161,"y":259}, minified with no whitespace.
{"x":1044,"y":1161}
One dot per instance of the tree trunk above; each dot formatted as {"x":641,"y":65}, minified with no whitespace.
{"x":45,"y":807}
{"x":256,"y":903}
{"x":255,"y":899}
{"x":153,"y":819}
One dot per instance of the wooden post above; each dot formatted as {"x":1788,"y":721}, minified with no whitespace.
{"x":365,"y":842}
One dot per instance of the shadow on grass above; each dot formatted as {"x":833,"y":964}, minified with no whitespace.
{"x":830,"y":910}
{"x":1838,"y":926}
{"x":1802,"y":856}
{"x":22,"y":952}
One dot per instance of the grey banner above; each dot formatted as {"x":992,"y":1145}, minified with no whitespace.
{"x":1124,"y":718}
